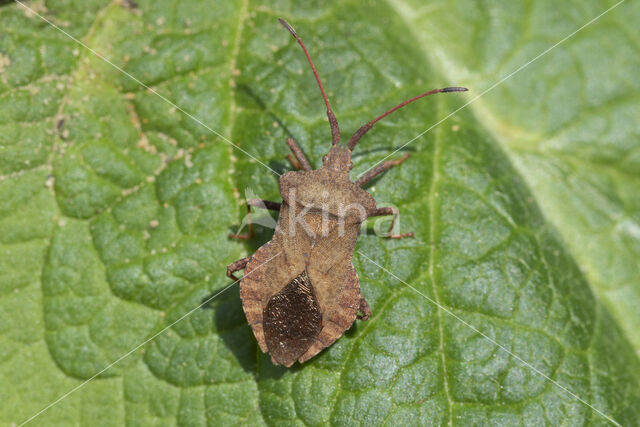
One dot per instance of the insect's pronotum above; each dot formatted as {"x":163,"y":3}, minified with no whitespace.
{"x":304,"y":300}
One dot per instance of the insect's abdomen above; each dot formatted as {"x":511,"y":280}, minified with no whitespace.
{"x":292,"y":320}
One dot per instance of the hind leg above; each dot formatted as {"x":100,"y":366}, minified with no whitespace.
{"x":237,"y":266}
{"x":365,"y":311}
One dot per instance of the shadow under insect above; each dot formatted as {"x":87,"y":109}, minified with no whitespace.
{"x":232,"y":326}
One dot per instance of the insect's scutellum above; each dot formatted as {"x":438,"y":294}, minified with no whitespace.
{"x":304,"y":301}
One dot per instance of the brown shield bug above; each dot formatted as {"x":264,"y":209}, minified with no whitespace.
{"x":300,"y":291}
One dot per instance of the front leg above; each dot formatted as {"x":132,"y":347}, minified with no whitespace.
{"x":390,"y":211}
{"x":258,"y":203}
{"x":378,"y":169}
{"x":298,"y":160}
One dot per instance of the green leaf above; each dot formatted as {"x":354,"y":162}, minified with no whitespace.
{"x":115,"y":208}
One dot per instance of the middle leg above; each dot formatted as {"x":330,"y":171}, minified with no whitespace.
{"x":258,"y":203}
{"x":390,"y":211}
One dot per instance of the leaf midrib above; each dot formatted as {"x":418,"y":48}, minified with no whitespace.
{"x":432,"y":248}
{"x":488,"y":123}
{"x":432,"y":192}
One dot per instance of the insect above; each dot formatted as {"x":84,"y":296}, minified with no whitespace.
{"x":300,"y":291}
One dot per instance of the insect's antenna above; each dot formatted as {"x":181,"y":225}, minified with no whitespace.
{"x":333,"y":122}
{"x":365,"y":128}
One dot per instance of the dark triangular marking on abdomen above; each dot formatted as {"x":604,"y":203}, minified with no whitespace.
{"x":292,"y":320}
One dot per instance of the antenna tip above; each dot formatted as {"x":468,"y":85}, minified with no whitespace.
{"x":287,"y":26}
{"x":454,"y":89}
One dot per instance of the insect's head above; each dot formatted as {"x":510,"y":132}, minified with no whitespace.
{"x":338,"y":159}
{"x":339,"y":156}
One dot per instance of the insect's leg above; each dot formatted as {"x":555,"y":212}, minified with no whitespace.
{"x":237,"y":266}
{"x":294,"y":162}
{"x":390,"y":211}
{"x":264,"y":204}
{"x":365,"y":311}
{"x":300,"y":161}
{"x":258,"y":203}
{"x":379,"y":168}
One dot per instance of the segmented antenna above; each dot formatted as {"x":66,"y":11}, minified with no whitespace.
{"x":365,"y":128}
{"x":333,"y":122}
